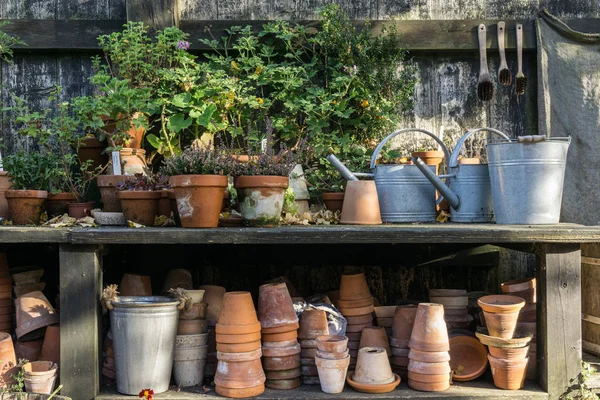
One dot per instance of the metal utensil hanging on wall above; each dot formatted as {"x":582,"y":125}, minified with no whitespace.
{"x":485,"y":86}
{"x":504,"y":75}
{"x":521,"y":84}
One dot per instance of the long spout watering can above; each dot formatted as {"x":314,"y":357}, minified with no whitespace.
{"x":405,"y":195}
{"x":468,"y":190}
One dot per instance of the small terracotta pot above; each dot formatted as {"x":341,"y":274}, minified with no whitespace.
{"x":107,"y":185}
{"x":139,"y":206}
{"x":213,"y":296}
{"x":235,"y":339}
{"x":508,"y":374}
{"x":501,"y":325}
{"x":199,"y":199}
{"x":361,"y":204}
{"x":282,"y":363}
{"x":333,"y":201}
{"x":375,"y":337}
{"x":404,"y":319}
{"x":468,"y":358}
{"x":51,"y":347}
{"x":423,"y":378}
{"x":56,"y":204}
{"x":280,"y":337}
{"x":428,"y":387}
{"x":238,"y":347}
{"x":196,"y":311}
{"x":240,"y":393}
{"x":313,"y":323}
{"x":429,"y":356}
{"x":34,"y":312}
{"x":177,"y":278}
{"x":26,"y":206}
{"x":270,"y":190}
{"x":429,"y":330}
{"x":135,"y":285}
{"x":237,"y":309}
{"x":373,"y":367}
{"x":28,"y":350}
{"x":239,"y":375}
{"x":332,"y":343}
{"x":275,"y":307}
{"x":354,"y":287}
{"x":332,"y":374}
{"x":80,"y":210}
{"x":284,"y":374}
{"x":8,"y":361}
{"x":4,"y":186}
{"x":270,"y":351}
{"x":509,"y":353}
{"x":93,"y":149}
{"x":191,"y":327}
{"x":40,"y":376}
{"x":357,"y":328}
{"x":500,"y":303}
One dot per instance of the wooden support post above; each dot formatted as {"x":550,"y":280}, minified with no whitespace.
{"x":80,"y":320}
{"x":559,"y":322}
{"x":159,"y":14}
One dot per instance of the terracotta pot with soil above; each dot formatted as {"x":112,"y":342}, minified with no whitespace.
{"x":261,"y":199}
{"x":508,"y":374}
{"x":313,"y":323}
{"x":26,"y":206}
{"x":107,"y":185}
{"x":429,"y":331}
{"x":56,"y":204}
{"x":275,"y":309}
{"x":199,"y":199}
{"x":334,"y":201}
{"x":501,"y":313}
{"x":80,"y":210}
{"x":139,"y":206}
{"x":4,"y":186}
{"x":93,"y":149}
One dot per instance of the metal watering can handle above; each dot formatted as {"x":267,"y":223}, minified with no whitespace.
{"x":455,"y":153}
{"x":391,"y":135}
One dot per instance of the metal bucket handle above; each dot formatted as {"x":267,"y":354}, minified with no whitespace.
{"x":453,"y":163}
{"x":110,"y":294}
{"x":391,"y":135}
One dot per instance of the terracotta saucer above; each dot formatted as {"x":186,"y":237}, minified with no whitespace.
{"x":240,"y":393}
{"x":498,"y":342}
{"x":468,"y":358}
{"x":381,"y":388}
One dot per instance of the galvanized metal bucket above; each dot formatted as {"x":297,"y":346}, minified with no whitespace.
{"x":405,"y":194}
{"x":144,"y":330}
{"x":527,"y":180}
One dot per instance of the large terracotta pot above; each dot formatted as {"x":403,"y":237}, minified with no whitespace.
{"x":93,"y":149}
{"x":34,"y":312}
{"x":508,"y":374}
{"x":199,"y":199}
{"x":4,"y":186}
{"x":333,"y":201}
{"x":8,"y":361}
{"x":213,"y":296}
{"x":56,"y":204}
{"x":375,"y":337}
{"x":313,"y":323}
{"x":107,"y":185}
{"x":139,"y":206}
{"x":261,"y":199}
{"x":26,"y":206}
{"x":361,"y":204}
{"x":275,"y":309}
{"x":429,"y":331}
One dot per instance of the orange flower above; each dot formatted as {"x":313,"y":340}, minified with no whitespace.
{"x":364,"y":104}
{"x":146,"y":394}
{"x":260,"y":100}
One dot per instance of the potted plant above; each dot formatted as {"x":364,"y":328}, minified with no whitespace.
{"x":139,"y":197}
{"x":199,"y":179}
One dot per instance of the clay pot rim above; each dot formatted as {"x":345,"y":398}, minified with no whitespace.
{"x":326,"y":339}
{"x":251,"y":345}
{"x":281,"y":328}
{"x":139,"y":194}
{"x":373,"y":388}
{"x":261,"y":181}
{"x":499,"y":342}
{"x":63,"y":196}
{"x":475,"y":345}
{"x":26,"y":194}
{"x":237,"y":338}
{"x":518,"y":285}
{"x":501,"y":303}
{"x":192,"y":180}
{"x":239,"y":357}
{"x":52,"y":367}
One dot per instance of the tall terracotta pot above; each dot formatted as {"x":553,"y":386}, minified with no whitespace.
{"x":313,"y":323}
{"x":26,"y":206}
{"x":199,"y":199}
{"x":238,"y":316}
{"x":354,"y":287}
{"x":404,"y":319}
{"x":429,"y":331}
{"x":139,"y":206}
{"x":107,"y":185}
{"x":4,"y":186}
{"x":261,"y":199}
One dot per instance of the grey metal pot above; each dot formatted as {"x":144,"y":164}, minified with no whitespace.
{"x":467,"y":187}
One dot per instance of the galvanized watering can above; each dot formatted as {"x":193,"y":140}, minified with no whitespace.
{"x":405,"y":195}
{"x":468,"y":189}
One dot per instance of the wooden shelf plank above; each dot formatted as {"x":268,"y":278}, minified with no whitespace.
{"x":339,"y":234}
{"x":479,"y":390}
{"x":421,"y":35}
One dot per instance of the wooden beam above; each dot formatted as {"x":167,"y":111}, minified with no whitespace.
{"x":80,"y":320}
{"x":158,"y":14}
{"x":417,"y":36}
{"x":559,"y":317}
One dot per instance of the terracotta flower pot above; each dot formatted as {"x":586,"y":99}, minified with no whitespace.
{"x":135,"y":285}
{"x":240,"y":393}
{"x":213,"y":296}
{"x":333,"y":201}
{"x":237,"y":309}
{"x":28,"y":350}
{"x":133,"y":161}
{"x":56,"y":204}
{"x":359,"y":319}
{"x":269,"y":350}
{"x":431,"y":157}
{"x":500,"y":303}
{"x":313,"y":323}
{"x":196,"y":311}
{"x":361,"y":204}
{"x":354,"y":312}
{"x":429,"y":368}
{"x":375,"y":337}
{"x":501,"y":313}
{"x":423,"y":378}
{"x":80,"y":210}
{"x":332,"y":374}
{"x":429,"y":386}
{"x":332,"y":356}
{"x":139,"y":206}
{"x":40,"y":376}
{"x":239,"y":329}
{"x":199,"y":199}
{"x":429,"y":331}
{"x":282,"y":363}
{"x":8,"y":361}
{"x":428,"y":356}
{"x":280,"y":337}
{"x":107,"y":185}
{"x":34,"y":312}
{"x":191,"y":326}
{"x":4,"y":186}
{"x":275,"y":307}
{"x":241,"y":338}
{"x":261,"y":199}
{"x":51,"y":347}
{"x":501,"y":325}
{"x":366,"y":302}
{"x":354,"y":287}
{"x":468,"y":358}
{"x":26,"y":206}
{"x":239,"y":375}
{"x":373,"y":366}
{"x":332,"y":343}
{"x":508,"y":374}
{"x":238,"y":347}
{"x":177,"y":278}
{"x":525,"y":288}
{"x":93,"y":149}
{"x":509,"y":353}
{"x":404,"y":319}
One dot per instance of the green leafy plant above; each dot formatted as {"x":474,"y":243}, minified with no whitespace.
{"x":578,"y":389}
{"x":31,"y":170}
{"x":7,"y":42}
{"x":198,"y":160}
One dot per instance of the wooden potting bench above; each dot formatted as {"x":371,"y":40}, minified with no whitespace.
{"x":558,"y":292}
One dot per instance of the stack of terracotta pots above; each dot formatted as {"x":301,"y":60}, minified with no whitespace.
{"x":8,"y":361}
{"x":6,"y":302}
{"x":213,"y":297}
{"x":404,"y":318}
{"x":373,"y":373}
{"x":191,"y":342}
{"x":356,"y":305}
{"x":280,"y":347}
{"x":239,"y":370}
{"x":332,"y":359}
{"x":27,"y":281}
{"x":429,"y":368}
{"x":375,"y":336}
{"x":313,"y":323}
{"x":526,"y":288}
{"x":455,"y":302}
{"x":34,"y":314}
{"x":385,"y":317}
{"x":508,"y":356}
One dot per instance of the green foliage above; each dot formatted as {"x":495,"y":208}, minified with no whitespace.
{"x":578,"y":389}
{"x":31,"y":170}
{"x":199,"y":161}
{"x":150,"y":182}
{"x":7,"y":42}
